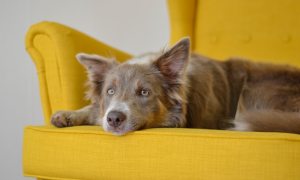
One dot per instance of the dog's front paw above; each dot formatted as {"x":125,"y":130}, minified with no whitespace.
{"x":62,"y":119}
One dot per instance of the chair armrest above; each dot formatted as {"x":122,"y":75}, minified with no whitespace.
{"x":53,"y":47}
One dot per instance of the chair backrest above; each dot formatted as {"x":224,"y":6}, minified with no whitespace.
{"x":262,"y":30}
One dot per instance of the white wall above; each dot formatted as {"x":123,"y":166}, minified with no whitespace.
{"x":133,"y":25}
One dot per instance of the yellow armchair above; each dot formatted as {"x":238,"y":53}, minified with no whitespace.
{"x":258,"y":29}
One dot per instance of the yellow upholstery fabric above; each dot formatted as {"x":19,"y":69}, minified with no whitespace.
{"x":89,"y":153}
{"x":259,"y":29}
{"x":262,"y":30}
{"x":53,"y":47}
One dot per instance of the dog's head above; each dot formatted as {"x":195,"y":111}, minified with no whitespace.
{"x":143,"y":92}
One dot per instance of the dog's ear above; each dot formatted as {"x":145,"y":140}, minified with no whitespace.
{"x":97,"y":66}
{"x":172,"y":63}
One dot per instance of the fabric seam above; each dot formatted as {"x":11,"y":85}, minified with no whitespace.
{"x":169,"y":134}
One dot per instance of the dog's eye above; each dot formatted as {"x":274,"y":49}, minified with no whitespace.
{"x":111,"y":91}
{"x":145,"y":92}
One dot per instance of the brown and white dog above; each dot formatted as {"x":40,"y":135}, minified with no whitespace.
{"x":177,"y":89}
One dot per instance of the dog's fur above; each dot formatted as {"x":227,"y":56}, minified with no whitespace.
{"x":177,"y":89}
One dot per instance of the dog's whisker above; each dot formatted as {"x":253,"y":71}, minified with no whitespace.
{"x":154,"y":73}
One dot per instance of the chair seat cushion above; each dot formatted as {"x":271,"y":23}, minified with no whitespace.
{"x":87,"y":152}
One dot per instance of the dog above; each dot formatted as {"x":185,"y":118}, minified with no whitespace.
{"x":175,"y":88}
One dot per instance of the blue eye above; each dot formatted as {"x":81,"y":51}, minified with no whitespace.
{"x":111,"y":91}
{"x":145,"y":92}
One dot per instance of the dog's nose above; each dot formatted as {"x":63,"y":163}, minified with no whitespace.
{"x":115,"y":118}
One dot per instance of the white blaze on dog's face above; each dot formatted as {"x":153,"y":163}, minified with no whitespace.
{"x":138,"y":94}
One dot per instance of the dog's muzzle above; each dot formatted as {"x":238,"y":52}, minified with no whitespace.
{"x":115,"y":118}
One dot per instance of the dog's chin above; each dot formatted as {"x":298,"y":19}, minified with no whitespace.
{"x":119,"y":131}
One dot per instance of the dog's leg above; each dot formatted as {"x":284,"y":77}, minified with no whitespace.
{"x":255,"y":112}
{"x":268,"y":121}
{"x":84,"y":116}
